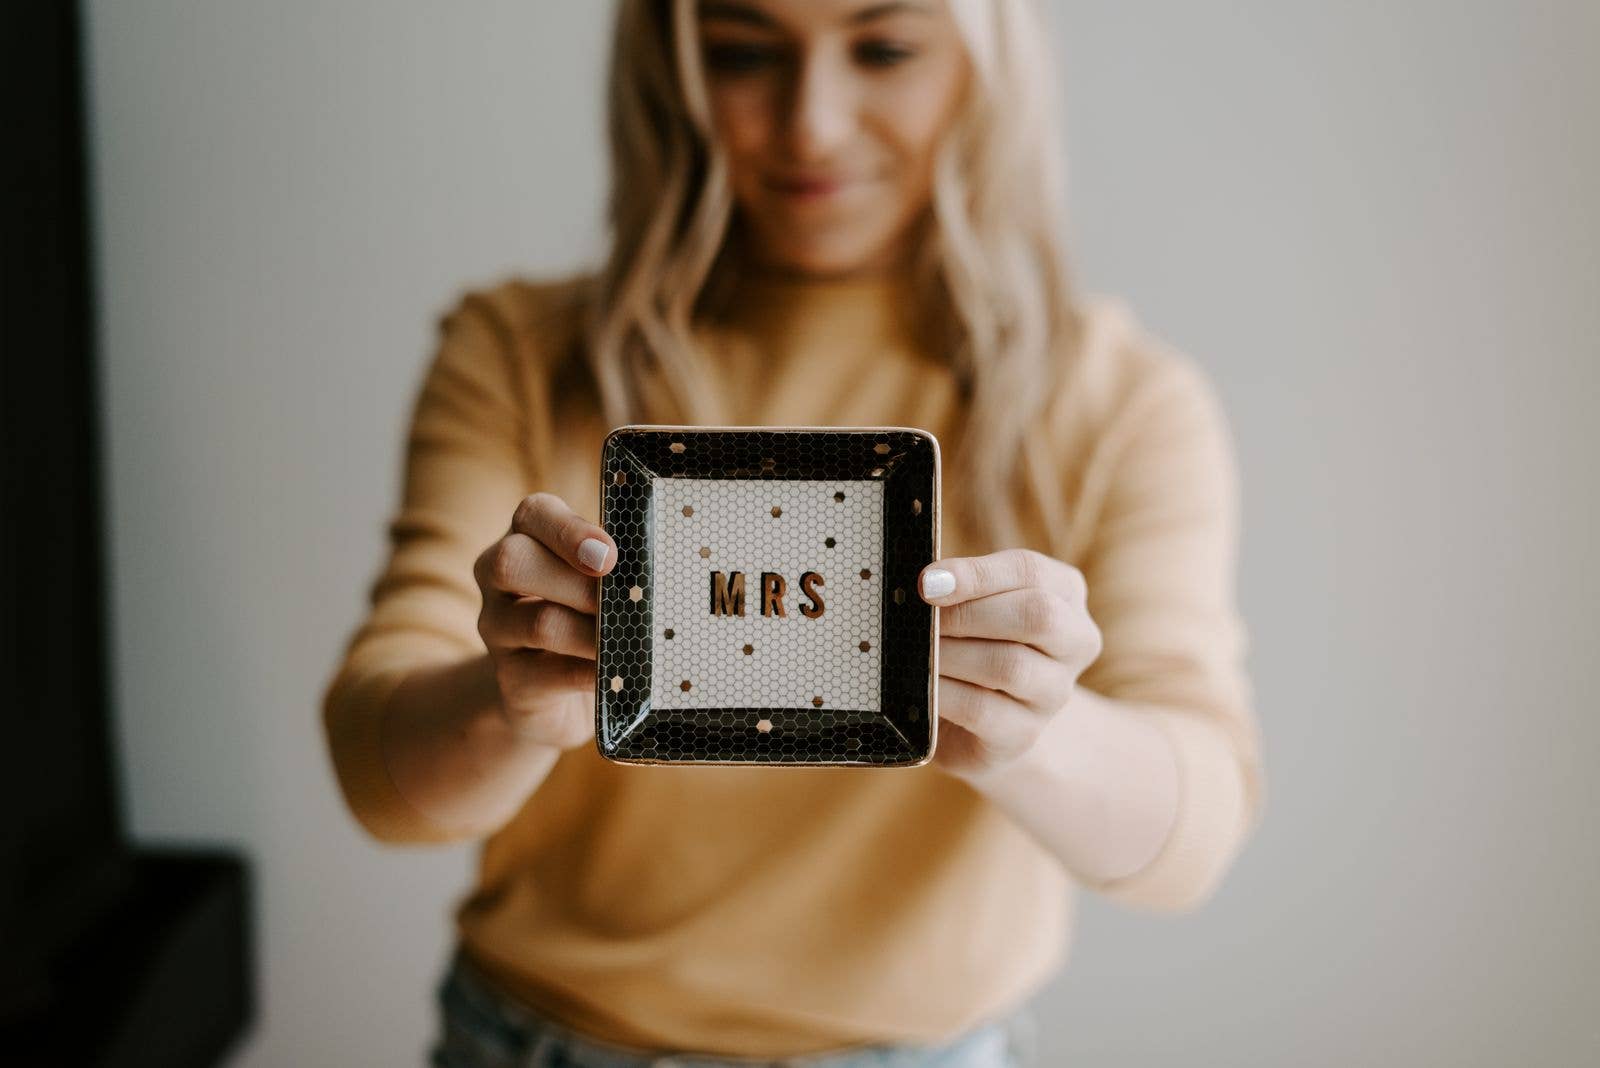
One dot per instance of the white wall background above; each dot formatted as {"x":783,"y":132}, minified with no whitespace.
{"x":1377,"y":225}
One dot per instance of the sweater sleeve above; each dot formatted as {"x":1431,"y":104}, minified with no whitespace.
{"x":465,"y":471}
{"x":1161,"y":573}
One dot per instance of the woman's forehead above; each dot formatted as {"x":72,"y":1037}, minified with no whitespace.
{"x":789,"y":14}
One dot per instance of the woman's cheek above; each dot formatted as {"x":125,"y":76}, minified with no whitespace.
{"x":742,"y":118}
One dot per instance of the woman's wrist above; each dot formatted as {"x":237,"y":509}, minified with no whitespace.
{"x":454,"y":753}
{"x":1099,"y":788}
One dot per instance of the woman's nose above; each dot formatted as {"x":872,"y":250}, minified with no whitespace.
{"x":822,"y":110}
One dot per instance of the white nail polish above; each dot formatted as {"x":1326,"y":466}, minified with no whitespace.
{"x":938,"y":582}
{"x":592,"y":553}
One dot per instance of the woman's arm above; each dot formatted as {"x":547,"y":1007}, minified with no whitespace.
{"x":1105,"y":788}
{"x":1107,"y":709}
{"x":453,"y":753}
{"x":420,"y":742}
{"x":1099,"y":788}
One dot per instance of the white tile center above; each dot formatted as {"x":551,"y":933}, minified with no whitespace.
{"x":793,"y":659}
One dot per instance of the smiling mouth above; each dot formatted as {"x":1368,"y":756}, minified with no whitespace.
{"x":806,"y":190}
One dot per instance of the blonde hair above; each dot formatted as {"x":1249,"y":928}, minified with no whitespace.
{"x":991,"y":277}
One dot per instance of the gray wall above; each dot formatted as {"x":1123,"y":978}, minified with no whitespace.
{"x":1377,"y":225}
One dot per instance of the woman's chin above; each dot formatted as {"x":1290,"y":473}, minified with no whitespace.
{"x":827,"y":261}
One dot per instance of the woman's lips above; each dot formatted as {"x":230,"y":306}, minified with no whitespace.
{"x":807,"y":190}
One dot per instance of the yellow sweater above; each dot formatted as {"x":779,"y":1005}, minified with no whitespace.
{"x":771,"y":912}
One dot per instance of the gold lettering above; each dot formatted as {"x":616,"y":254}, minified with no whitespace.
{"x":772,"y":587}
{"x":809,"y":582}
{"x":727,"y":594}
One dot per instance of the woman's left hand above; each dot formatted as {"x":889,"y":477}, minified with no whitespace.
{"x":1014,"y":635}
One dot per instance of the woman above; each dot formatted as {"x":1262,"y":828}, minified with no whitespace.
{"x":832,"y":212}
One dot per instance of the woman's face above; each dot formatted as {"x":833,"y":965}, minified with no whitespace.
{"x":830,"y":112}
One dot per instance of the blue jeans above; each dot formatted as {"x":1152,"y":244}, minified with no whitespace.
{"x":483,"y":1027}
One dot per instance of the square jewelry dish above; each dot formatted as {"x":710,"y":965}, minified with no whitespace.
{"x":763,"y":608}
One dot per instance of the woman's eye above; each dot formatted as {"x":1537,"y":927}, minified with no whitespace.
{"x":739,"y":58}
{"x":882,"y":54}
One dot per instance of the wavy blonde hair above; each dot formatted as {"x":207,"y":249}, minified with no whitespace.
{"x":991,"y":278}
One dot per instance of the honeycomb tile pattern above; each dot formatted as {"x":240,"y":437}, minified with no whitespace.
{"x":787,"y":528}
{"x":639,"y":466}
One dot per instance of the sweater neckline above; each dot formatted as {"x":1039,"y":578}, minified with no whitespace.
{"x":806,"y":314}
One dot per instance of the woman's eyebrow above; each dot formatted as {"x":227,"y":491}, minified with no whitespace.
{"x":749,"y":14}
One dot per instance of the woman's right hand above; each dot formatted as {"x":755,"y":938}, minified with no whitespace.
{"x":540,"y":594}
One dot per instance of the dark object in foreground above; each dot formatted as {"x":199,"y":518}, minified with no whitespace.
{"x":164,"y":979}
{"x":110,"y":954}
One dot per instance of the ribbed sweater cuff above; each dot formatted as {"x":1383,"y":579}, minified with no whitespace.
{"x":1211,"y":823}
{"x":354,"y":709}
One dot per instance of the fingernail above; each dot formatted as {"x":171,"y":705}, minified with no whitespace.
{"x":938,"y":582}
{"x":592,"y":553}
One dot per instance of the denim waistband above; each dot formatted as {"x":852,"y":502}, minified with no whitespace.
{"x":506,"y":1033}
